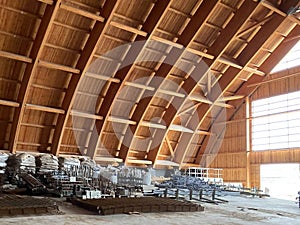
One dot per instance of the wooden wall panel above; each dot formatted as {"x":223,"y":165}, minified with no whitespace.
{"x":255,"y":175}
{"x":276,"y":156}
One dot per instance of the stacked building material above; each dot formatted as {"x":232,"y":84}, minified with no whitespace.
{"x":12,"y":205}
{"x":21,"y":163}
{"x":130,"y":176}
{"x":3,"y":159}
{"x":27,"y":162}
{"x":46,"y":163}
{"x":86,"y":169}
{"x":66,"y":163}
{"x":107,"y":206}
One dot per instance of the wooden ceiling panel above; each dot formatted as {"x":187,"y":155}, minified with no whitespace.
{"x":39,"y":117}
{"x":107,"y":44}
{"x":8,"y":90}
{"x":59,"y":57}
{"x":134,"y":9}
{"x":207,"y":36}
{"x":45,"y":97}
{"x":70,"y":39}
{"x":173,"y":18}
{"x":153,"y":112}
{"x":73,"y":20}
{"x":51,"y":78}
{"x":185,"y":6}
{"x":13,"y":21}
{"x":121,"y":34}
{"x":221,"y":16}
{"x":93,"y":4}
{"x":130,"y":94}
{"x":11,"y":45}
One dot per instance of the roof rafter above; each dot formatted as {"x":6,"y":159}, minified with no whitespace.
{"x":217,"y":49}
{"x":82,"y":65}
{"x":149,"y":26}
{"x":245,"y":58}
{"x":38,"y":45}
{"x":186,"y":38}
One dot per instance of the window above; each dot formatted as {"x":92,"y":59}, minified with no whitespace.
{"x":291,"y":59}
{"x":276,"y":122}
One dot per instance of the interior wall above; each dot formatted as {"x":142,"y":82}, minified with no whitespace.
{"x":232,"y":155}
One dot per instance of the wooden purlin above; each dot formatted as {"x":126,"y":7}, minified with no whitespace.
{"x":37,"y":48}
{"x":187,"y":36}
{"x":246,"y":56}
{"x":82,"y":65}
{"x":217,"y":49}
{"x":149,"y":26}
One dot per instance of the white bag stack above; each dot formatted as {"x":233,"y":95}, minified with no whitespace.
{"x":27,"y":162}
{"x":3,"y":158}
{"x":47,"y":163}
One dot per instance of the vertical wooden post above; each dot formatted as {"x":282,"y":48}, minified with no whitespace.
{"x":248,"y":143}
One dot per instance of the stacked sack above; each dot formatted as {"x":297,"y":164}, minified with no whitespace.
{"x":69,"y":164}
{"x":21,"y":163}
{"x":3,"y":158}
{"x":27,"y":162}
{"x":46,"y":163}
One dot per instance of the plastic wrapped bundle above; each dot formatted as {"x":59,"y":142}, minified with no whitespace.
{"x":27,"y":162}
{"x":87,"y":167}
{"x":68,"y":162}
{"x":19,"y":163}
{"x":3,"y":159}
{"x":47,"y":163}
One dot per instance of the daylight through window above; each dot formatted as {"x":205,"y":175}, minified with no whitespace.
{"x":276,"y":122}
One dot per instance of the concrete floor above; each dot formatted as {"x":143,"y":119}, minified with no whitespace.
{"x":239,"y":210}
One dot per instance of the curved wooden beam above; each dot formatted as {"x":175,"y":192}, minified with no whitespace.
{"x":217,"y":49}
{"x":247,"y":88}
{"x":150,"y":25}
{"x":82,"y":65}
{"x":186,"y":38}
{"x":37,"y":48}
{"x":245,"y":58}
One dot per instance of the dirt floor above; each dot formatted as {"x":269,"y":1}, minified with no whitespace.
{"x":239,"y":210}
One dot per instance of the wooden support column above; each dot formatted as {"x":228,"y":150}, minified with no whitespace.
{"x":248,"y":142}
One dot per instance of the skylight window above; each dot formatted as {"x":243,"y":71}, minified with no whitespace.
{"x":291,"y":59}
